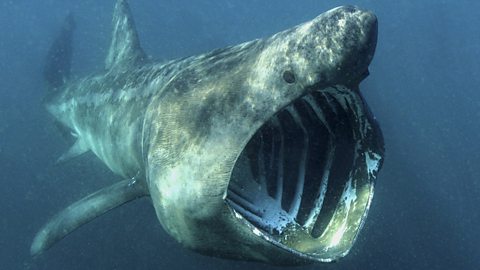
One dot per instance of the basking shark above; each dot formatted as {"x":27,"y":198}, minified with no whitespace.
{"x":264,"y":151}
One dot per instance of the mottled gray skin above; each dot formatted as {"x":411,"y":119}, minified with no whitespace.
{"x":181,"y":126}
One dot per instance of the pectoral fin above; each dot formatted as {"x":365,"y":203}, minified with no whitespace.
{"x":76,"y":150}
{"x":86,"y":210}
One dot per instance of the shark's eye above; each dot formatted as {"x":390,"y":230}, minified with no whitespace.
{"x":288,"y":76}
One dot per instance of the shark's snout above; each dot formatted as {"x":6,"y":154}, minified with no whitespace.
{"x":362,"y":36}
{"x":342,"y":43}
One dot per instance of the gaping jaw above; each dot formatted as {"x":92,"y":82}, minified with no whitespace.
{"x":305,"y":180}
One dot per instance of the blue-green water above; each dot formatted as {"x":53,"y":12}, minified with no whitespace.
{"x":423,"y":88}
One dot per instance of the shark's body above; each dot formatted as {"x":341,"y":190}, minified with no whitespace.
{"x":261,"y":151}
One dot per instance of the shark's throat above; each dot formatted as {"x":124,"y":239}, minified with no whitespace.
{"x":295,"y":178}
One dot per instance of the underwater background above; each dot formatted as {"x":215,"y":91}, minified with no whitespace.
{"x":423,"y":88}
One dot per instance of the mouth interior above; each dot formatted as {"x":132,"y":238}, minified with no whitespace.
{"x":295,"y":172}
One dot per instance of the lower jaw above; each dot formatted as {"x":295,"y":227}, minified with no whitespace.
{"x":301,"y":182}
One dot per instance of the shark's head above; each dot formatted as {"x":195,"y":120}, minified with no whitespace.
{"x":267,"y":151}
{"x":334,"y":48}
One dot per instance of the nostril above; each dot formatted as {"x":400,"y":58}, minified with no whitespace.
{"x":288,"y":76}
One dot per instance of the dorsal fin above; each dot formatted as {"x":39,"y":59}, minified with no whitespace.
{"x":59,"y":57}
{"x":125,"y":50}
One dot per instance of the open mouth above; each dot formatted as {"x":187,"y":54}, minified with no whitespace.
{"x":305,"y":179}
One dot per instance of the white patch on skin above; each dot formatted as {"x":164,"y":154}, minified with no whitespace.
{"x":342,"y":23}
{"x":349,"y":195}
{"x":237,"y":215}
{"x":171,"y":190}
{"x":373,"y":163}
{"x":257,"y":232}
